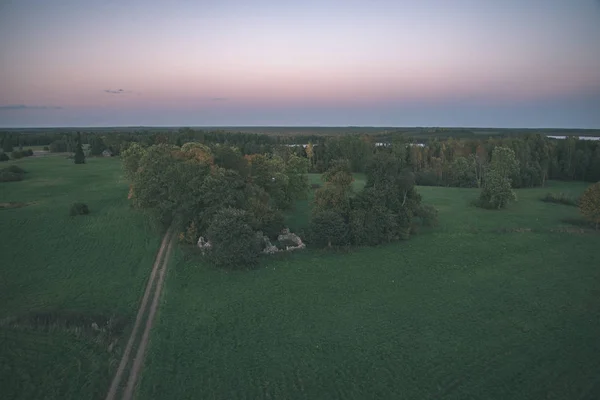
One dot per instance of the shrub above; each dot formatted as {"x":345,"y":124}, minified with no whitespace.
{"x":580,"y":222}
{"x":7,"y":176}
{"x":14,"y":168}
{"x":328,"y":228}
{"x":15,"y":155}
{"x":46,"y":148}
{"x":589,"y":204}
{"x":11,"y":173}
{"x":233,"y":242}
{"x":58,"y":146}
{"x":315,"y":185}
{"x":428,"y":215}
{"x":79,"y":209}
{"x":427,"y":178}
{"x":4,"y":157}
{"x":560,"y":198}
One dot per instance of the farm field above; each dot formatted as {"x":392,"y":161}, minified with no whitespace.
{"x":59,"y":274}
{"x":489,"y":305}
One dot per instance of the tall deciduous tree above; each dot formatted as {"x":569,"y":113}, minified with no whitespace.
{"x":497,"y":192}
{"x":234,"y":244}
{"x":589,"y":204}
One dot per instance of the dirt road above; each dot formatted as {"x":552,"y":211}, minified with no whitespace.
{"x":153,"y":288}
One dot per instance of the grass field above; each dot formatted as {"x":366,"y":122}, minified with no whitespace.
{"x":68,"y":272}
{"x":479,"y":308}
{"x":489,"y":305}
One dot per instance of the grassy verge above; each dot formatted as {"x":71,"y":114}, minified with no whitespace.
{"x":72,"y":271}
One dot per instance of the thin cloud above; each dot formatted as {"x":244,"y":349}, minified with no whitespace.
{"x":117,"y":91}
{"x":25,"y":107}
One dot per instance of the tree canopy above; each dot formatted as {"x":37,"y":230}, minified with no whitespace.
{"x":589,"y":204}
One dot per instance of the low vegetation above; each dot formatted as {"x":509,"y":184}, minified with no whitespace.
{"x":17,"y":154}
{"x":79,"y":209}
{"x":560,"y":198}
{"x":12,"y":173}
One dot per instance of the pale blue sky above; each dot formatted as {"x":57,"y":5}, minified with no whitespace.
{"x":495,"y":63}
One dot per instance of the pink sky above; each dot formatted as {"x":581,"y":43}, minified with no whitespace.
{"x":268,"y":55}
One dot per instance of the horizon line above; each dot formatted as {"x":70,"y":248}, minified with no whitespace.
{"x":290,"y":126}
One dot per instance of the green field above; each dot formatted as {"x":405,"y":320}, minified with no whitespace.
{"x":470,"y":310}
{"x":70,"y":270}
{"x":489,"y":305}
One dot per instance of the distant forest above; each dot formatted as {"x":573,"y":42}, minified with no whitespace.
{"x":443,"y":156}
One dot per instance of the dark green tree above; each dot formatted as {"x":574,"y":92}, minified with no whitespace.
{"x":497,"y":191}
{"x":328,"y":228}
{"x":234,"y":244}
{"x":7,"y":144}
{"x":79,"y":156}
{"x":97,"y":146}
{"x":589,"y":204}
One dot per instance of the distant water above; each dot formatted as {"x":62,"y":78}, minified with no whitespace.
{"x":578,"y":137}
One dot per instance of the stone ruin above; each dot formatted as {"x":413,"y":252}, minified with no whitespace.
{"x":269,"y":248}
{"x":292,"y":237}
{"x":203,"y":245}
{"x":285,"y":235}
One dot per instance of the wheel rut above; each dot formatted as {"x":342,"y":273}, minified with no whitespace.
{"x":153,"y":291}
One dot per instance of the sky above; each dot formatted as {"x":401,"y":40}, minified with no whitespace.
{"x":469,"y":63}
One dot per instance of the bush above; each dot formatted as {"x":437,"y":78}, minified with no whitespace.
{"x":234,"y":244}
{"x":17,"y":154}
{"x":4,"y":157}
{"x":14,"y":168}
{"x":46,"y":148}
{"x":328,"y":228}
{"x":315,"y":185}
{"x":560,"y":198}
{"x":79,"y":209}
{"x":11,"y":173}
{"x":426,"y":178}
{"x":428,"y":215}
{"x":58,"y":146}
{"x":7,"y":176}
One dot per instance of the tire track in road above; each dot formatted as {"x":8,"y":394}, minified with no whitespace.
{"x":161,"y":262}
{"x":140,"y":355}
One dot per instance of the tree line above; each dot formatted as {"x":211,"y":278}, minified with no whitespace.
{"x":436,"y":161}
